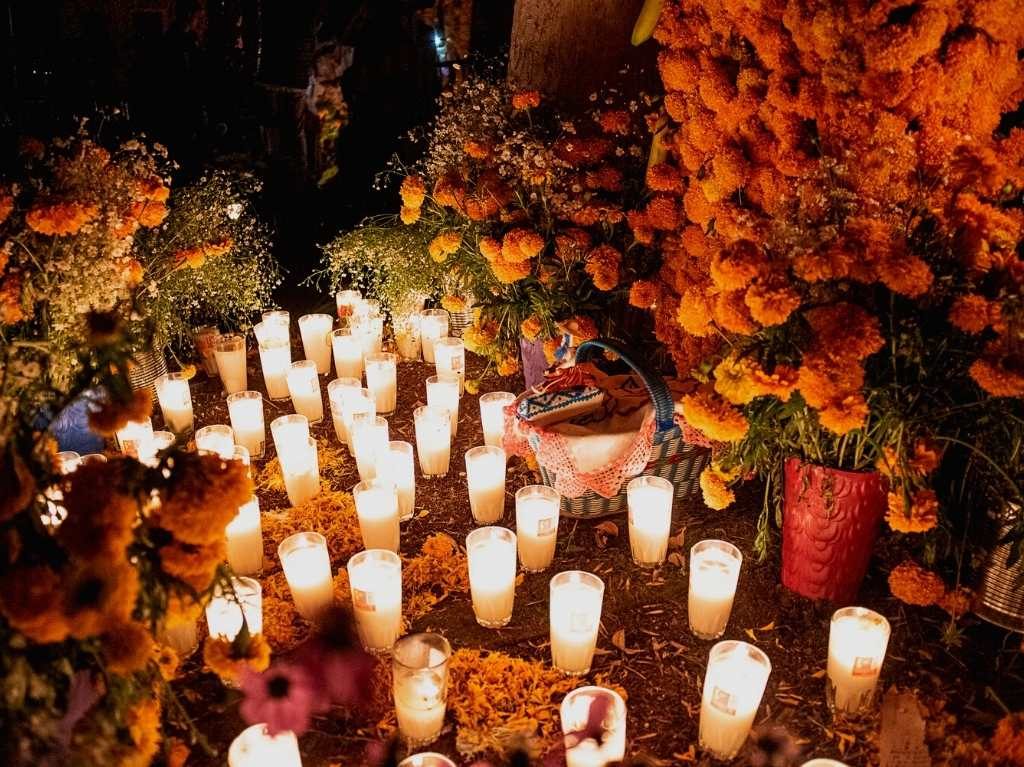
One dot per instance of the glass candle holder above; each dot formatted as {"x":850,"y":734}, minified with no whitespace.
{"x":230,"y":352}
{"x":245,"y":539}
{"x":356,"y":403}
{"x":301,"y":474}
{"x":175,"y":397}
{"x":205,"y":338}
{"x":336,"y":392}
{"x":407,"y":336}
{"x":433,"y":325}
{"x":382,"y":380}
{"x":399,"y":468}
{"x":444,"y":393}
{"x":345,"y":301}
{"x":160,"y":441}
{"x":369,"y":308}
{"x":133,"y":437}
{"x":427,"y":759}
{"x":256,"y":747}
{"x":245,"y":408}
{"x":377,"y":509}
{"x":420,"y":684}
{"x":280,"y":317}
{"x":575,"y":599}
{"x":375,"y":579}
{"x":315,"y":331}
{"x":492,"y":416}
{"x":370,"y":331}
{"x":276,"y":361}
{"x":370,"y":443}
{"x":537,"y":512}
{"x":218,"y":438}
{"x":857,"y":641}
{"x":575,"y":717}
{"x":66,"y":461}
{"x":307,"y":568}
{"x":225,"y":610}
{"x":714,"y":572}
{"x":291,"y":435}
{"x":650,"y":518}
{"x":485,"y":479}
{"x":450,"y":360}
{"x":273,"y":328}
{"x":492,"y":575}
{"x":733,"y":685}
{"x":822,"y":762}
{"x":304,"y":388}
{"x":93,"y":458}
{"x":348,"y":353}
{"x":241,"y":453}
{"x":433,"y":440}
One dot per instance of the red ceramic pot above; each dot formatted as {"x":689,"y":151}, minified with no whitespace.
{"x":830,"y":521}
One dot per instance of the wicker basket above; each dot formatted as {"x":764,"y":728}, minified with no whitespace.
{"x":459,"y":321}
{"x":146,"y":367}
{"x":672,"y":458}
{"x":1001,"y":590}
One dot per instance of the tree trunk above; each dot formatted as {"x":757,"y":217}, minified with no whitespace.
{"x":568,"y":48}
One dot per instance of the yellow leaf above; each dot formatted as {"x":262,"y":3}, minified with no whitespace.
{"x":675,"y":558}
{"x":677,"y":540}
{"x":750,"y":633}
{"x":768,"y":627}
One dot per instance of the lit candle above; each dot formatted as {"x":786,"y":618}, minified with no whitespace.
{"x":857,"y":642}
{"x":575,"y":716}
{"x":370,"y":307}
{"x":358,"y":402}
{"x":370,"y":331}
{"x":433,"y":325}
{"x":407,"y":336}
{"x":650,"y":517}
{"x":273,"y":328}
{"x":134,"y":436}
{"x":345,"y":300}
{"x":420,"y":685}
{"x":290,"y":433}
{"x":375,"y":579}
{"x":370,"y":443}
{"x":444,"y":393}
{"x":485,"y":478}
{"x":492,"y":574}
{"x":336,"y":392}
{"x":304,"y":388}
{"x":433,"y":440}
{"x":279,"y":317}
{"x":219,"y":439}
{"x":225,"y":610}
{"x":348,"y":353}
{"x":822,"y":762}
{"x":276,"y":361}
{"x":307,"y":568}
{"x":382,"y":380}
{"x":230,"y":352}
{"x":450,"y":360}
{"x":714,"y":572}
{"x":245,"y":409}
{"x":492,"y":415}
{"x":175,"y":397}
{"x":427,"y":759}
{"x":315,"y":330}
{"x":161,"y":440}
{"x":255,"y":747}
{"x":301,"y":473}
{"x":89,"y":458}
{"x":67,"y":461}
{"x":733,"y":685}
{"x":205,"y":337}
{"x":399,"y":468}
{"x":377,"y":509}
{"x":537,"y":512}
{"x":575,"y":599}
{"x":245,"y":539}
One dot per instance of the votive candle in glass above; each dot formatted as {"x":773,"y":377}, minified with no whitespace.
{"x":377,"y":510}
{"x":537,"y":512}
{"x":225,"y":611}
{"x":336,"y":392}
{"x":857,"y":641}
{"x":304,"y":388}
{"x":433,"y":325}
{"x":301,"y":474}
{"x":315,"y":330}
{"x":492,"y":415}
{"x":450,"y":360}
{"x":218,"y":438}
{"x":133,"y":437}
{"x":345,"y":301}
{"x":419,"y":674}
{"x":245,"y":408}
{"x":375,"y":580}
{"x":175,"y":397}
{"x":256,"y":747}
{"x":822,"y":762}
{"x":291,"y":435}
{"x":359,"y":402}
{"x":492,"y":574}
{"x":273,"y":328}
{"x":575,"y":599}
{"x":734,"y":683}
{"x":348,"y":353}
{"x":382,"y":380}
{"x":714,"y":572}
{"x":276,"y":361}
{"x":433,"y":440}
{"x":369,"y":308}
{"x":370,"y":331}
{"x":399,"y":468}
{"x":280,"y":317}
{"x":370,"y":443}
{"x":485,"y":478}
{"x":307,"y":568}
{"x":230,"y":351}
{"x":576,"y":720}
{"x":407,"y":336}
{"x":650,"y":518}
{"x":245,"y":539}
{"x":444,"y":393}
{"x":427,"y":759}
{"x":205,"y":338}
{"x":161,"y":440}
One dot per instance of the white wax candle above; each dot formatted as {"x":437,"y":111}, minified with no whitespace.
{"x":485,"y":479}
{"x":537,"y":512}
{"x":407,"y":336}
{"x":433,"y":440}
{"x":420,"y":706}
{"x":575,"y":599}
{"x":273,"y":328}
{"x":276,"y":361}
{"x":382,"y":380}
{"x":278,"y":318}
{"x":348,"y":353}
{"x":370,"y":443}
{"x":161,"y":440}
{"x":370,"y":331}
{"x":230,"y":353}
{"x":733,"y":685}
{"x":356,"y":403}
{"x":492,"y":415}
{"x":575,"y":718}
{"x":304,"y":388}
{"x":444,"y":393}
{"x":450,"y":360}
{"x":650,"y":517}
{"x":307,"y":568}
{"x":345,"y":301}
{"x":336,"y":393}
{"x":255,"y":747}
{"x":134,"y":436}
{"x":291,"y":435}
{"x":377,"y":509}
{"x":315,"y":330}
{"x":433,"y":325}
{"x":492,"y":574}
{"x":858,"y":639}
{"x":714,"y":572}
{"x":224,"y":612}
{"x":218,"y":438}
{"x":399,"y":468}
{"x":375,"y":579}
{"x":245,"y":409}
{"x":172,"y":390}
{"x":245,"y":539}
{"x":301,"y":474}
{"x":427,"y":759}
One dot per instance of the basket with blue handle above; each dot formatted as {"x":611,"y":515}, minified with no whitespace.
{"x":672,"y":458}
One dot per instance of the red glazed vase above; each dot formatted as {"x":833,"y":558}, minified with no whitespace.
{"x":830,"y":521}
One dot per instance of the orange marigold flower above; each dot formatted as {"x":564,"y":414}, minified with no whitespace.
{"x":581,"y":328}
{"x":202,"y":495}
{"x":912,"y":584}
{"x":957,"y":602}
{"x":454,"y":303}
{"x":521,"y":245}
{"x":916,"y":513}
{"x":127,"y":648}
{"x":478,"y":150}
{"x":643,"y":294}
{"x":167,"y":661}
{"x":997,"y":374}
{"x":662,"y":177}
{"x":733,"y":268}
{"x":195,"y":565}
{"x":551,"y":346}
{"x":11,"y":311}
{"x":101,"y":512}
{"x":662,"y":212}
{"x":30,"y":601}
{"x":741,"y":379}
{"x":525,"y":100}
{"x":711,"y":414}
{"x":732,"y":314}
{"x":409,"y":215}
{"x":413,"y":191}
{"x":714,"y":485}
{"x":60,"y":218}
{"x":846,"y":330}
{"x":907,"y":275}
{"x":99,"y":596}
{"x":152,"y":188}
{"x":507,"y":273}
{"x":771,"y":302}
{"x":228,"y":662}
{"x":6,"y":205}
{"x":444,"y":245}
{"x":844,"y":415}
{"x":604,"y":177}
{"x":572,"y":244}
{"x":111,"y":415}
{"x":1008,"y":739}
{"x":149,"y":214}
{"x":490,"y":248}
{"x":602,"y":264}
{"x":971,"y":313}
{"x":531,"y":327}
{"x":695,"y":313}
{"x":614,"y":121}
{"x":508,"y":366}
{"x":450,"y":190}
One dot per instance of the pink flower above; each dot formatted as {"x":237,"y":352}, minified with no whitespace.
{"x":345,"y":673}
{"x":284,"y":696}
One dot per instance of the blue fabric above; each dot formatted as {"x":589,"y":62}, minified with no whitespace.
{"x":71,"y":427}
